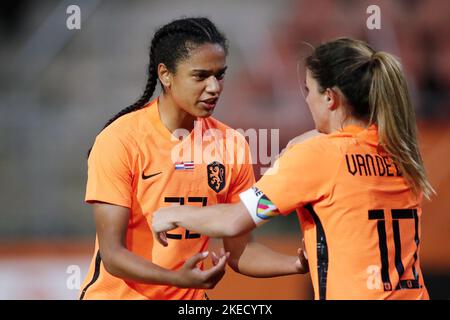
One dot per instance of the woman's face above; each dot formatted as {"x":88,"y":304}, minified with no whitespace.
{"x":198,"y":81}
{"x":317,"y":103}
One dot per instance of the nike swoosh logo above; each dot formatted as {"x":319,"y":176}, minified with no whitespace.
{"x":149,"y":176}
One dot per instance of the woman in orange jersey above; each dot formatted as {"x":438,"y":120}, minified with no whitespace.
{"x":357,"y":185}
{"x":133,"y":170}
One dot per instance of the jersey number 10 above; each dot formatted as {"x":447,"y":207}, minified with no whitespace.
{"x":180,"y":201}
{"x":397,"y":215}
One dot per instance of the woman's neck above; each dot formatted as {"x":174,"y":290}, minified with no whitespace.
{"x":354,"y":122}
{"x":172,"y":116}
{"x":341,"y":119}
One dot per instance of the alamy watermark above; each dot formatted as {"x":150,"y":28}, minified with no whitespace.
{"x":374,"y":20}
{"x":73,"y":281}
{"x":73,"y":21}
{"x":229,"y":146}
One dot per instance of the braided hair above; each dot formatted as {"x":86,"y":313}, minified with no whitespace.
{"x":170,"y":45}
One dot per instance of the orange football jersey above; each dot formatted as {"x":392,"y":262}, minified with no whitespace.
{"x":360,"y":219}
{"x":137,"y":163}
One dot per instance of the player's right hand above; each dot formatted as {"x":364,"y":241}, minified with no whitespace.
{"x":190,"y":276}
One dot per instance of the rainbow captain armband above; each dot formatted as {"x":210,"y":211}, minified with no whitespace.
{"x":260,"y":208}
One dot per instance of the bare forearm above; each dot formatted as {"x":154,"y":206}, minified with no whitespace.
{"x":214,"y":221}
{"x":260,"y":261}
{"x":126,"y":265}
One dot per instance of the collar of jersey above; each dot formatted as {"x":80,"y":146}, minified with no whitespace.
{"x":354,"y":129}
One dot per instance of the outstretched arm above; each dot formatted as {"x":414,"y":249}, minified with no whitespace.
{"x":218,"y":221}
{"x":253,"y":259}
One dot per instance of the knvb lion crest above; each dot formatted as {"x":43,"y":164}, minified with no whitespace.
{"x":216,"y":176}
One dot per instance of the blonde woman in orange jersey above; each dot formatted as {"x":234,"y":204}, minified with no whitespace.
{"x":132,"y":172}
{"x":357,"y":186}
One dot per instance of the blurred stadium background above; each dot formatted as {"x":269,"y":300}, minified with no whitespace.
{"x":59,"y":86}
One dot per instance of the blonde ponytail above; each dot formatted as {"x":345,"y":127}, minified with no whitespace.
{"x":391,"y":109}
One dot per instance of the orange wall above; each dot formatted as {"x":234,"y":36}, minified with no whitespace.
{"x":435,"y":145}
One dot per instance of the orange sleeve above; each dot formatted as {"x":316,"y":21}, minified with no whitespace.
{"x":300,"y":176}
{"x":109,"y":170}
{"x":245,"y":177}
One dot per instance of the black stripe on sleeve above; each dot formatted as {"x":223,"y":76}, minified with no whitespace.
{"x":98,"y":260}
{"x":322,"y":253}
